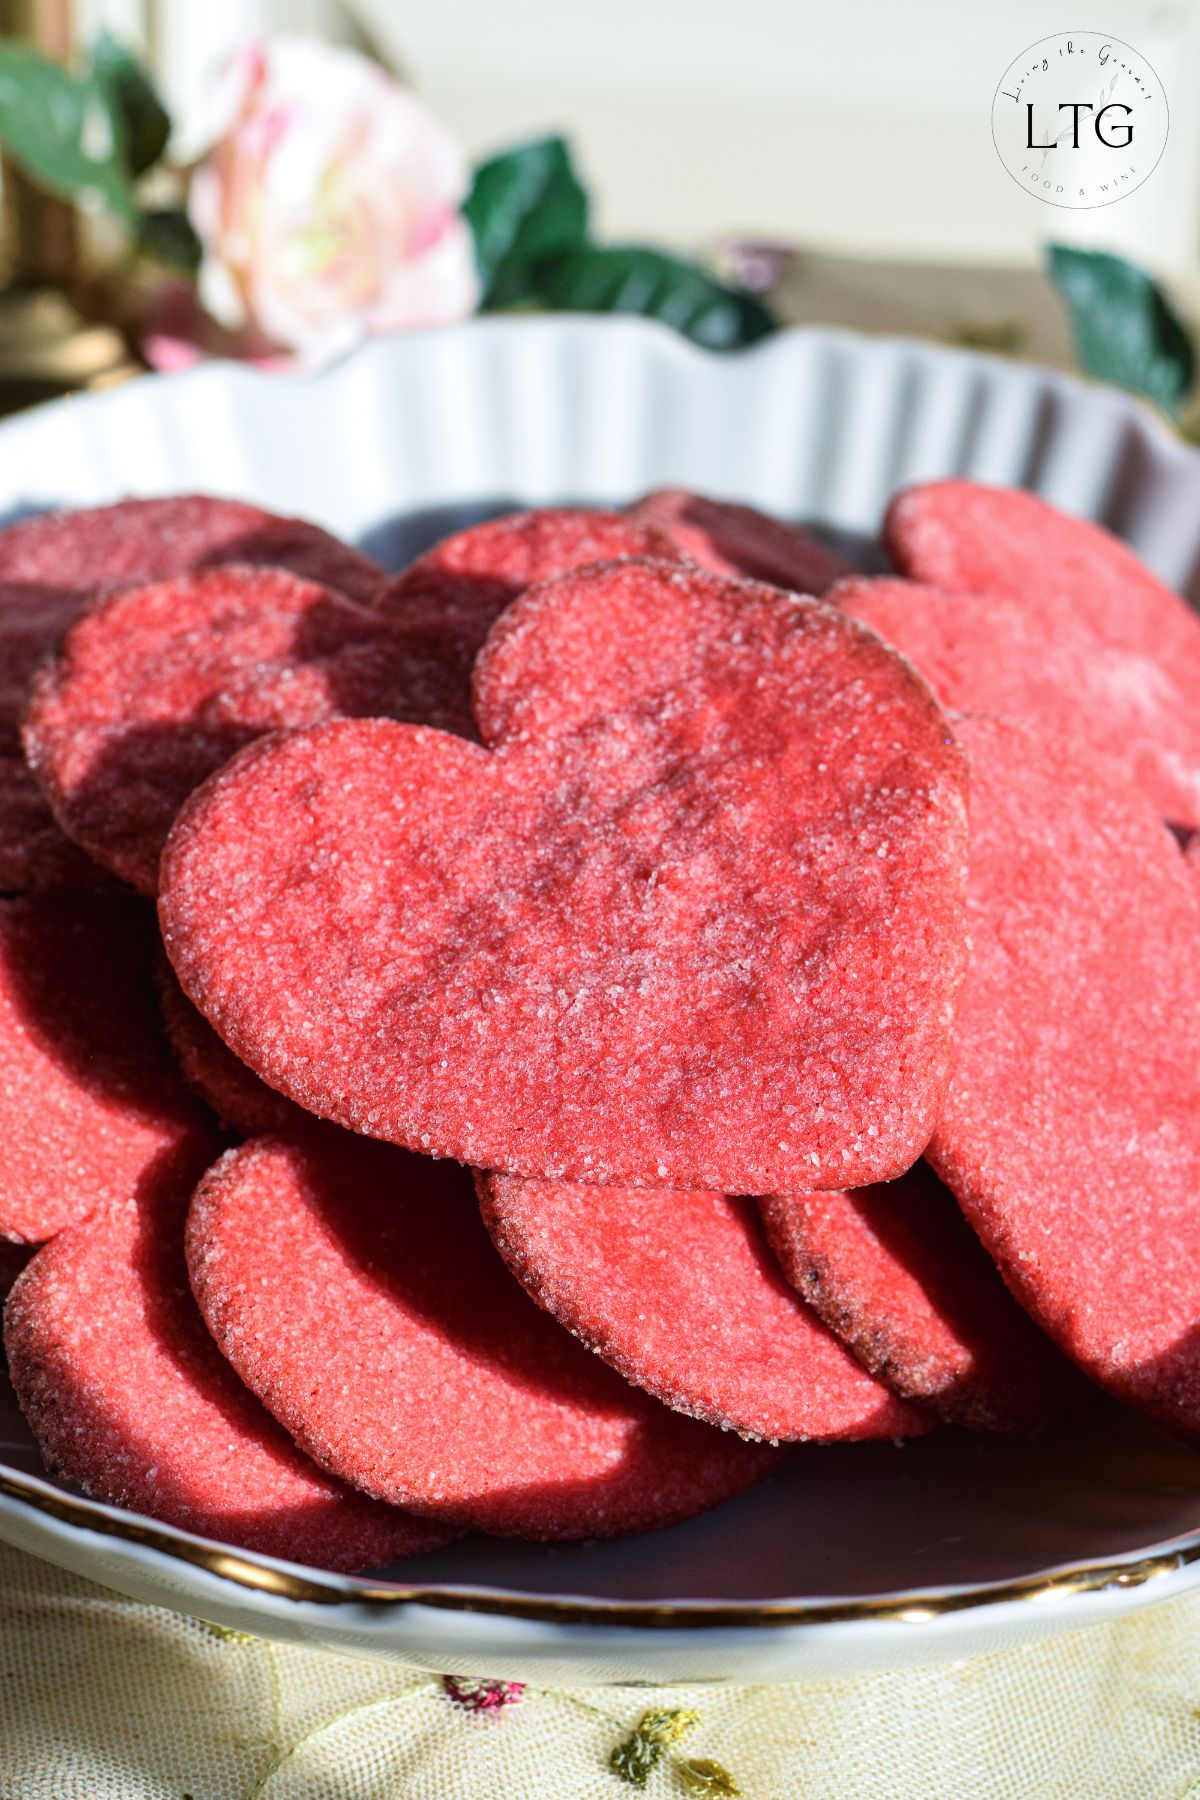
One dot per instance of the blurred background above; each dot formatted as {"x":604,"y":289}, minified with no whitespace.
{"x":847,"y":147}
{"x":860,"y":126}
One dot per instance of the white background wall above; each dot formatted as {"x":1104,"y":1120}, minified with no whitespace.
{"x":855,"y":125}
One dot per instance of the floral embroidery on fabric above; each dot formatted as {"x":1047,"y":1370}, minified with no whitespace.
{"x":702,"y":1776}
{"x":652,"y":1742}
{"x":640,"y":1753}
{"x":649,"y":1747}
{"x":475,"y":1695}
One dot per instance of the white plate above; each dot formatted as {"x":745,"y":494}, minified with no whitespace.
{"x":854,"y":1558}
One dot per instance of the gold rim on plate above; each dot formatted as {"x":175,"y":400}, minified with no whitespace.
{"x":242,"y":1569}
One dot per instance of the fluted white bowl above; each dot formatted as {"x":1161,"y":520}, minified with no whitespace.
{"x":857,"y":1557}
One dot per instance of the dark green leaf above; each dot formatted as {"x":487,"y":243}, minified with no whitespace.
{"x":635,"y":1759}
{"x":633,"y":280}
{"x":61,"y":129}
{"x":525,"y":206}
{"x":1125,"y":328}
{"x":707,"y":1779}
{"x":168,"y":236}
{"x":144,"y":122}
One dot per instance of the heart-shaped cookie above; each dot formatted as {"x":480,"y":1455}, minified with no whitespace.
{"x":50,"y":568}
{"x":696,"y":919}
{"x":158,"y":685}
{"x":1057,"y":621}
{"x":1012,"y":657}
{"x":141,"y":540}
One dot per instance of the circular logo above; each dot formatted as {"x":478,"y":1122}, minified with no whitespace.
{"x":1080,"y":119}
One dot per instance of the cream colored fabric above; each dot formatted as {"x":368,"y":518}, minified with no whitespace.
{"x":104,"y":1700}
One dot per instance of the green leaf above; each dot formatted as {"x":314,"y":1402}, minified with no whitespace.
{"x":708,"y":1779}
{"x":168,"y":236}
{"x":1126,"y":330}
{"x":635,"y":1758}
{"x":525,"y":206}
{"x":629,"y":279}
{"x":61,"y":129}
{"x":143,"y":120}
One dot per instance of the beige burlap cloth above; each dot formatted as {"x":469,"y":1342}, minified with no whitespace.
{"x":101,"y":1699}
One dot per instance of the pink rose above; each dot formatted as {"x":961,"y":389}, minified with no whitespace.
{"x":327,"y":204}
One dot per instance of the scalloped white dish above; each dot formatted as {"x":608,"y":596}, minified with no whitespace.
{"x":852,"y":1558}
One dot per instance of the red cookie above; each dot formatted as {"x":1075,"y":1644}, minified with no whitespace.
{"x":50,"y":566}
{"x":90,"y":1099}
{"x":30,"y":618}
{"x":235,"y":1093}
{"x":476,"y":573}
{"x":449,"y":599}
{"x":697,"y":922}
{"x":680,"y":1293}
{"x":897,"y":1272}
{"x":34,"y":853}
{"x":1071,"y":1131}
{"x":989,"y":653}
{"x":738,"y":540}
{"x":158,"y":686}
{"x":354,"y":1289}
{"x":1089,"y":639}
{"x":129,"y":1398}
{"x":144,"y":540}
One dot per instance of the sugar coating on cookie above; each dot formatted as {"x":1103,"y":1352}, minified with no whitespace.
{"x":446,"y":602}
{"x":50,"y":567}
{"x":681,"y":1294}
{"x":898,"y":1274}
{"x":732,"y":539}
{"x":1071,"y":1131}
{"x":698,"y":922}
{"x":88,"y":548}
{"x":90,"y":1098}
{"x":130,"y":1399}
{"x":158,"y":685}
{"x":238,"y":1097}
{"x":996,"y":653}
{"x":34,"y":854}
{"x":1067,"y":627}
{"x":354,"y":1289}
{"x":477,"y":572}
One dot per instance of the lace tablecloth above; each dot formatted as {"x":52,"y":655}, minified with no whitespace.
{"x":101,"y":1699}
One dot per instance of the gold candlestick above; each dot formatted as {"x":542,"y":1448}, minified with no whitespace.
{"x":47,"y":346}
